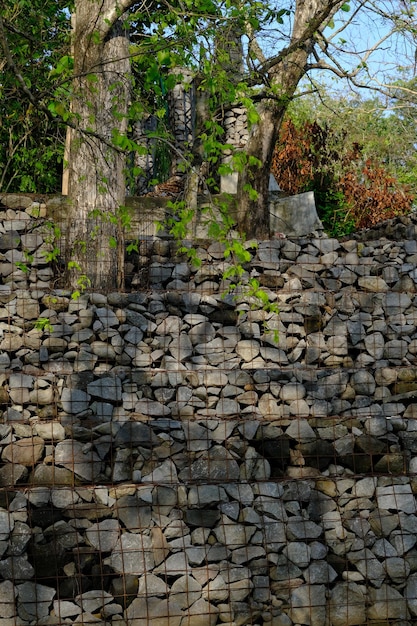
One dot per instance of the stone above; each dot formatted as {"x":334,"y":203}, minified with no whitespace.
{"x":133,"y":554}
{"x":375,"y":284}
{"x":27,"y":308}
{"x":387,"y":603}
{"x":397,"y":498}
{"x":74,"y":400}
{"x":298,"y":552}
{"x":34,"y":600}
{"x":151,"y":585}
{"x":363,"y":383}
{"x":91,"y":601}
{"x":134,"y":513}
{"x":411,"y":594}
{"x":300,"y":430}
{"x":185,"y":591}
{"x":108,"y":389}
{"x":217,"y":464}
{"x":395,"y":350}
{"x":104,"y":535}
{"x":154,"y":612}
{"x":308,"y":605}
{"x":292,"y":391}
{"x":7,"y":599}
{"x":397,"y":569}
{"x":65,"y":608}
{"x":79,"y":459}
{"x":26,"y":451}
{"x":50,"y":431}
{"x":347,"y":605}
{"x":367,"y":564}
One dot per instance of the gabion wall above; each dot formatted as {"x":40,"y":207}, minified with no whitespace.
{"x":165,"y":461}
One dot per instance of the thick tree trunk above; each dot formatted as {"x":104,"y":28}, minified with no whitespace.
{"x":253,"y":208}
{"x":253,"y":211}
{"x":94,"y":238}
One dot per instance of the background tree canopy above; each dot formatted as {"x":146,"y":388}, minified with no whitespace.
{"x":114,"y":67}
{"x":31,"y":144}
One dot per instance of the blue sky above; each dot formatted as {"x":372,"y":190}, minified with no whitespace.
{"x":395,"y":54}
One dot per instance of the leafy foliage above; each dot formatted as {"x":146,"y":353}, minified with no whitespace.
{"x":31,"y":145}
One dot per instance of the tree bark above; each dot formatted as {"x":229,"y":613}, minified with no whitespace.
{"x":253,"y":212}
{"x":284,"y":74}
{"x":94,"y":237}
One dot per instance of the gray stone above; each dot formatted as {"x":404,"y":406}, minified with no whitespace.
{"x":319,"y":572}
{"x":387,"y":603}
{"x":368,"y":565}
{"x":347,"y":605}
{"x":104,"y":535}
{"x":397,"y":498}
{"x":185,"y":591}
{"x":107,"y":317}
{"x":356,"y":331}
{"x":19,"y":386}
{"x":151,"y":585}
{"x":91,"y":601}
{"x":395,"y":303}
{"x":410,"y":594}
{"x":34,"y":600}
{"x":181,"y":347}
{"x":134,"y":513}
{"x":27,"y":308}
{"x":164,"y":473}
{"x":308,"y":605}
{"x":133,"y":554}
{"x":201,"y":333}
{"x":78,"y":458}
{"x":298,"y":552}
{"x":301,"y":431}
{"x":74,"y":400}
{"x":397,"y":569}
{"x":65,"y":608}
{"x":330,"y":386}
{"x":152,"y":408}
{"x":374,"y":344}
{"x":201,"y":613}
{"x":395,"y":350}
{"x":154,"y":612}
{"x":375,"y":284}
{"x":299,"y":529}
{"x":109,"y":389}
{"x":363,"y":383}
{"x":217,"y":464}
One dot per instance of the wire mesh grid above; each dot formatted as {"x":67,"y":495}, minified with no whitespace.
{"x":165,"y":459}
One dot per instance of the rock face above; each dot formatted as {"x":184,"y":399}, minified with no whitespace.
{"x":165,"y":459}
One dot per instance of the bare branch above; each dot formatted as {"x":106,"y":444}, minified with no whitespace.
{"x":306,"y":36}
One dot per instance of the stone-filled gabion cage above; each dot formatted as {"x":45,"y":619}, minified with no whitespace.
{"x":167,"y":460}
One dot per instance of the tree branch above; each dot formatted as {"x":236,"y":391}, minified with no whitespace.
{"x":313,"y":26}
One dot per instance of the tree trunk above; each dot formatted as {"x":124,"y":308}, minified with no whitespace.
{"x":253,"y":211}
{"x":253,"y":208}
{"x":94,"y":237}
